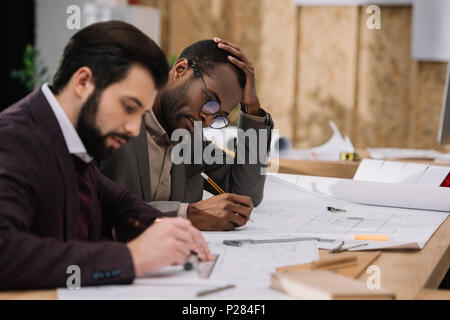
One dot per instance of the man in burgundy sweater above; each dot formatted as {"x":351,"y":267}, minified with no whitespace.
{"x":56,"y":208}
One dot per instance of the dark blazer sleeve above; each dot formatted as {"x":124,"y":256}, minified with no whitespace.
{"x":243,"y":177}
{"x":28,"y":261}
{"x":121,"y":207}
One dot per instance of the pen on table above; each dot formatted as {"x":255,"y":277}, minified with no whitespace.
{"x":333,"y":209}
{"x":191,"y":261}
{"x":209,"y":291}
{"x":214,"y":185}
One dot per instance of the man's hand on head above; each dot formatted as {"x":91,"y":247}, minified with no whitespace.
{"x":239,"y":59}
{"x":220,"y":213}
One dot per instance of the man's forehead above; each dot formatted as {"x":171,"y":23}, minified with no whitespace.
{"x":223,"y":80}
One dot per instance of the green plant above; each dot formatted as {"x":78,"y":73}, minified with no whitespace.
{"x":33,"y":73}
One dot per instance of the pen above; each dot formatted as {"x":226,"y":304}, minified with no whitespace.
{"x":215,"y":186}
{"x":333,"y":209}
{"x":209,"y":291}
{"x":191,"y":262}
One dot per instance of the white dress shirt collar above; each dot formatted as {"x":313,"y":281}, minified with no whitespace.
{"x":73,"y":141}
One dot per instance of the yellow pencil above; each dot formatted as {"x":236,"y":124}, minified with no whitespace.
{"x":214,"y":185}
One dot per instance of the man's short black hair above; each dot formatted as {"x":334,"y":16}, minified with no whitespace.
{"x":207,"y":55}
{"x":109,"y":49}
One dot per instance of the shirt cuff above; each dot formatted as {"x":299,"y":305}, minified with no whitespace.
{"x":259,"y":119}
{"x":182,"y":210}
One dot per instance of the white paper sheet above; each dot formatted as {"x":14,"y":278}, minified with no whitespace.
{"x":434,"y":176}
{"x":412,"y":173}
{"x":252,"y":263}
{"x":248,"y":267}
{"x":308,"y":216}
{"x":401,"y":172}
{"x":380,"y":194}
{"x":367,"y":170}
{"x":403,"y":153}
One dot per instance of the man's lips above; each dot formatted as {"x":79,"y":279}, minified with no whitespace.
{"x":117,"y":141}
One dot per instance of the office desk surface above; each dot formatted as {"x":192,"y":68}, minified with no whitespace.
{"x":410,"y":274}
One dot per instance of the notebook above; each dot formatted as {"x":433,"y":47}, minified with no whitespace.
{"x":325,"y":285}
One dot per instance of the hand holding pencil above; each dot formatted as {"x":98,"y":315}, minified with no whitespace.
{"x":224,"y":212}
{"x":215,"y":186}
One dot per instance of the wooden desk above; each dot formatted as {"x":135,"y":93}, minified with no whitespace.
{"x":322,"y":168}
{"x":29,"y":295}
{"x":408,"y":273}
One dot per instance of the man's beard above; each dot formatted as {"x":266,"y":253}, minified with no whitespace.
{"x":171,"y":101}
{"x":90,"y":134}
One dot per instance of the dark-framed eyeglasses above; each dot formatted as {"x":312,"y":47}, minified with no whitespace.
{"x":211,"y":106}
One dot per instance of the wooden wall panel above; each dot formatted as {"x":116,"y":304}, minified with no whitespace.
{"x":327,"y":54}
{"x":236,"y":20}
{"x":244,"y":26}
{"x":191,"y":21}
{"x":275,"y":71}
{"x":384,"y":80}
{"x":428,"y":96}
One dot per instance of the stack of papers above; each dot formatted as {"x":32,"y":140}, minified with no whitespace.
{"x":392,"y":184}
{"x":401,"y":172}
{"x":403,"y":153}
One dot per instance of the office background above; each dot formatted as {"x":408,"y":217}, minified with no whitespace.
{"x":318,"y":63}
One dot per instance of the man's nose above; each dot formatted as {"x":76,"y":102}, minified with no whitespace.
{"x":207,"y":119}
{"x":133,"y":128}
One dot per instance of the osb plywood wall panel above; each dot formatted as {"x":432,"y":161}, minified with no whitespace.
{"x":384,"y":80}
{"x":327,"y":53}
{"x":244,"y":27}
{"x":275,"y":71}
{"x":236,"y":20}
{"x":428,"y":103}
{"x":191,"y":21}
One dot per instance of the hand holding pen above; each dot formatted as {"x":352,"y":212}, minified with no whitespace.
{"x":169,"y":241}
{"x":222,"y":212}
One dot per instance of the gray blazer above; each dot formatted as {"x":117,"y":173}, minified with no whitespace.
{"x":129,"y":167}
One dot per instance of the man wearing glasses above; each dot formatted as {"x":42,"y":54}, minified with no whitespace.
{"x":207,"y":81}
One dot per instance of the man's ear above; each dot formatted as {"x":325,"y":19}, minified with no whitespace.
{"x":83,"y":83}
{"x":180,"y":69}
